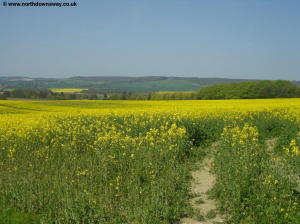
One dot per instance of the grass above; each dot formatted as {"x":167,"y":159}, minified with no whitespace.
{"x":200,"y":217}
{"x":11,"y":216}
{"x":199,"y":201}
{"x":255,"y":185}
{"x":211,"y":214}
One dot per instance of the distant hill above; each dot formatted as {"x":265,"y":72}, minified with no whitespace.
{"x":143,"y":84}
{"x":117,"y":83}
{"x":297,"y":83}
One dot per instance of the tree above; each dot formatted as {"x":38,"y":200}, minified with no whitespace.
{"x":105,"y":96}
{"x":250,"y":90}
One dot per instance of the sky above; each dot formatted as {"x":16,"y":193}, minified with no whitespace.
{"x":253,"y":39}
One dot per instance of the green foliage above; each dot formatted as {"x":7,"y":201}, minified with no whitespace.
{"x":270,"y":126}
{"x":174,"y":96}
{"x":250,"y":90}
{"x":43,"y":94}
{"x":88,"y":169}
{"x":243,"y":90}
{"x":2,"y":96}
{"x":11,"y":216}
{"x":203,"y":131}
{"x":253,"y":184}
{"x":190,"y":95}
{"x":211,"y":214}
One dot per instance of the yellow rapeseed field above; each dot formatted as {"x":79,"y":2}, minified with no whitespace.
{"x":85,"y":161}
{"x":66,"y":90}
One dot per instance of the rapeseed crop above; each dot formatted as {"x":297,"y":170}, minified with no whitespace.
{"x":66,"y":90}
{"x":130,"y":161}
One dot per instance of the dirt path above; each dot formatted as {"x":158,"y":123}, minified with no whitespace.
{"x":271,"y":143}
{"x":203,"y":181}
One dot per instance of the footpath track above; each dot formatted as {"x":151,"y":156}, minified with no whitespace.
{"x":203,"y":181}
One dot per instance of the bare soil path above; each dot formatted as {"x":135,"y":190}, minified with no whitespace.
{"x":203,"y":181}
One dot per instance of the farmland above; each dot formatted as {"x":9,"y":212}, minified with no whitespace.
{"x":113,"y":83}
{"x":64,"y":90}
{"x":130,"y":161}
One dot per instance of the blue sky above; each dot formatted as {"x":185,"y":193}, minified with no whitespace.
{"x":204,"y":38}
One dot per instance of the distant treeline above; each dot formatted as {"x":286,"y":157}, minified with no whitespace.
{"x":40,"y":94}
{"x":243,"y":90}
{"x":250,"y":90}
{"x":192,"y":95}
{"x":95,"y":94}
